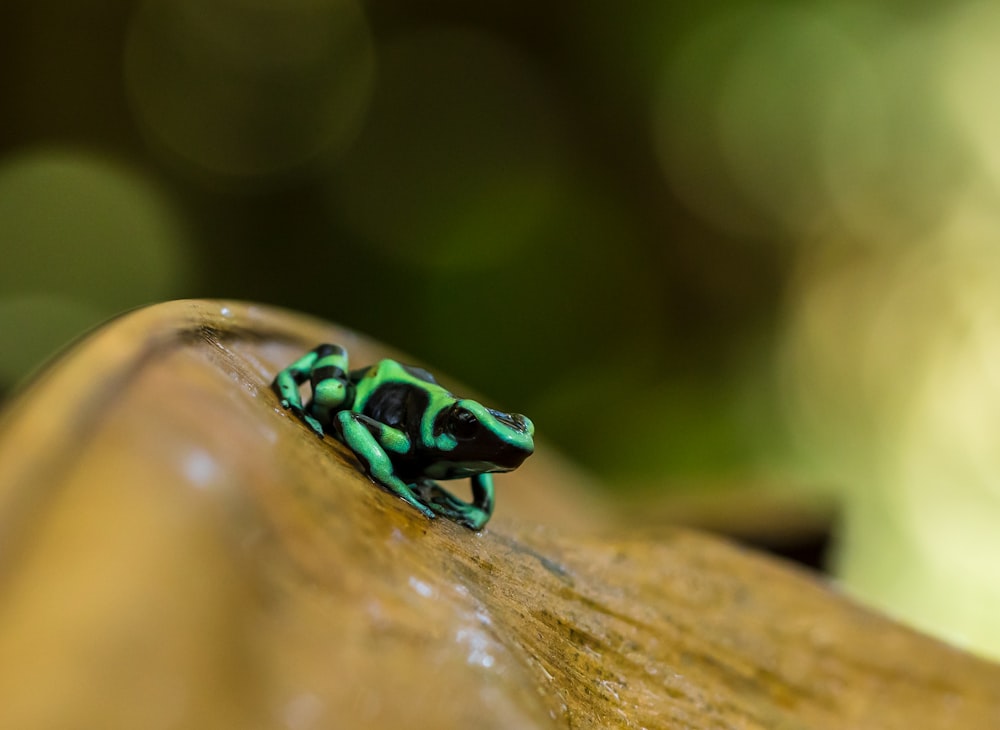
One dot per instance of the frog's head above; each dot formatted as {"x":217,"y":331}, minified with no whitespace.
{"x":471,"y":439}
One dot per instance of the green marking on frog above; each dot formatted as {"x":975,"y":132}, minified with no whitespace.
{"x":407,"y":430}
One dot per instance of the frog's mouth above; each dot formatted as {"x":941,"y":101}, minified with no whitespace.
{"x":461,"y":469}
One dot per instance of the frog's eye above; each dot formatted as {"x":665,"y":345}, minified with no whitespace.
{"x":462,"y":424}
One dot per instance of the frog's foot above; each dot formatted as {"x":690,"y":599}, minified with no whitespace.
{"x":448,"y":505}
{"x":314,"y":425}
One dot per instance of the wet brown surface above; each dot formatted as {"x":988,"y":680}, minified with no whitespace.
{"x":176,"y":551}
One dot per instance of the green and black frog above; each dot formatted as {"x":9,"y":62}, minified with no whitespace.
{"x":407,"y":430}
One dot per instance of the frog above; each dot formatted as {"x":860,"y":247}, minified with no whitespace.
{"x":407,"y":431}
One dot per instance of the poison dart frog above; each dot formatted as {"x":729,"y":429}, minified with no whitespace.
{"x":407,"y":430}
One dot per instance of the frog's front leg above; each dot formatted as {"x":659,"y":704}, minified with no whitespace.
{"x":474,"y":515}
{"x":325,"y":367}
{"x":370,"y":440}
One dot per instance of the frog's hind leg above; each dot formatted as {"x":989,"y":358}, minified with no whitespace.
{"x":474,"y":515}
{"x":324,"y":366}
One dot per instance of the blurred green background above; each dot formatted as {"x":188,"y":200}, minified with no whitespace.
{"x":754,"y":243}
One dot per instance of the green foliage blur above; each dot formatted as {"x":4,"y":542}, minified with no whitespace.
{"x":477,"y":186}
{"x":741,"y":242}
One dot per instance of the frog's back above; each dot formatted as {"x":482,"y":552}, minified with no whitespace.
{"x":387,"y":370}
{"x":419,"y":373}
{"x":393,"y":393}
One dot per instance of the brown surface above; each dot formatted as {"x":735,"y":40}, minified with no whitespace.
{"x":176,"y":551}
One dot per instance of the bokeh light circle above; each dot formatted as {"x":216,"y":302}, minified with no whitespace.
{"x":686,"y":127}
{"x":248,"y":89}
{"x":83,"y":239}
{"x":968,"y":66}
{"x":772,"y":110}
{"x":83,"y":227}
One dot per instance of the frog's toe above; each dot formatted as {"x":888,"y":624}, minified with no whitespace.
{"x":406,"y":494}
{"x":474,"y":523}
{"x":316,"y":426}
{"x":454,"y":509}
{"x":425,"y":510}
